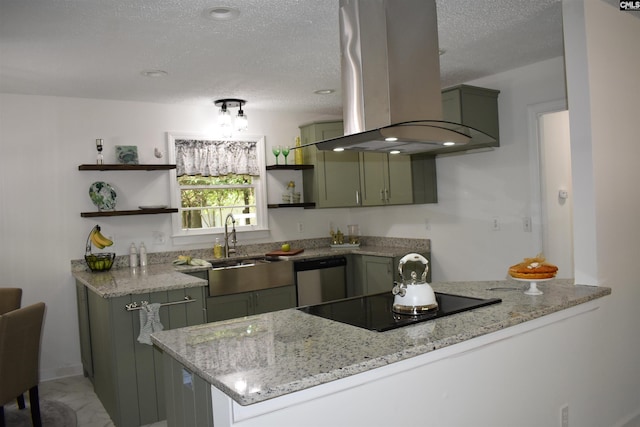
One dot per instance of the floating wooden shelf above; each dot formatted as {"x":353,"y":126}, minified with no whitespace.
{"x":307,"y":205}
{"x":130,"y":212}
{"x":288,"y":167}
{"x":121,"y":167}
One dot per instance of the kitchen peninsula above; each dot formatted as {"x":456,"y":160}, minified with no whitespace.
{"x":127,"y":375}
{"x":291,"y":368}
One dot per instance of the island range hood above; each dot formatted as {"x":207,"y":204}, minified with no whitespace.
{"x":391,"y":81}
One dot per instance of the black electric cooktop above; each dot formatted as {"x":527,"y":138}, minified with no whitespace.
{"x":374,"y":312}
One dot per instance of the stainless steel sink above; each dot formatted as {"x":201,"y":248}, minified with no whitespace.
{"x":232,"y":276}
{"x":231,"y":263}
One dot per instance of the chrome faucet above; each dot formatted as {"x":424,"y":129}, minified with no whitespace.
{"x":227,"y":249}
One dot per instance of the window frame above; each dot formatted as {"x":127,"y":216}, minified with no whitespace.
{"x":260,"y":184}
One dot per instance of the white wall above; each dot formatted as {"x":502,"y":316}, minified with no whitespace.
{"x":604,"y":97}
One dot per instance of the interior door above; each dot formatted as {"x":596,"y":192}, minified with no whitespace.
{"x":556,"y":191}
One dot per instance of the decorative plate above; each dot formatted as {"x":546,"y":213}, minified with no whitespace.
{"x":153,"y":207}
{"x":103,"y":196}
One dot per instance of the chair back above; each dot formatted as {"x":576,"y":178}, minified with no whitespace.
{"x":10,"y":299}
{"x":20,"y":334}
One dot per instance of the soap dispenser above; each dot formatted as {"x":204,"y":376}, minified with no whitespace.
{"x":143,"y":255}
{"x":217,"y":249}
{"x":133,"y":256}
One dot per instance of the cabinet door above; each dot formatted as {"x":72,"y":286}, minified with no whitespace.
{"x":229,"y":306}
{"x":274,"y":299}
{"x":399,"y":190}
{"x":386,"y":179}
{"x":338,"y":179}
{"x":85,"y":332}
{"x":378,"y":274}
{"x":373,"y":175}
{"x":372,"y":274}
{"x":423,"y":172}
{"x":335,"y":179}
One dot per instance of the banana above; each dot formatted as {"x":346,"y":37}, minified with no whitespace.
{"x":99,"y":240}
{"x":95,"y":242}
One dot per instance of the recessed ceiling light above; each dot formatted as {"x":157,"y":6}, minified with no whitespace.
{"x":154,"y":73}
{"x":394,"y":152}
{"x":391,"y":139}
{"x":449,"y":143}
{"x":222,"y":13}
{"x":338,"y":149}
{"x":324,"y":91}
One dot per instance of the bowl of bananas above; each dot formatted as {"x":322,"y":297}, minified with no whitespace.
{"x":100,"y":261}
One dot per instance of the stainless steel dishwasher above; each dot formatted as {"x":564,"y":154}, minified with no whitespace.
{"x":320,"y":279}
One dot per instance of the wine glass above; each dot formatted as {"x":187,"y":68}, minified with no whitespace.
{"x":285,"y":153}
{"x":276,"y":152}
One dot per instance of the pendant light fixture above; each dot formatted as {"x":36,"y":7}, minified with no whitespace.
{"x":225,"y":124}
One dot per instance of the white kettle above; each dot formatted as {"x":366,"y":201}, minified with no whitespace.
{"x":414,"y":297}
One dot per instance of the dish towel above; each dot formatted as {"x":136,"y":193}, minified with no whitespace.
{"x":149,"y":322}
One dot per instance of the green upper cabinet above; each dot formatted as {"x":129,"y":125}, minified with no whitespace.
{"x":387,"y":179}
{"x":348,"y":178}
{"x":335,"y":179}
{"x":472,"y":106}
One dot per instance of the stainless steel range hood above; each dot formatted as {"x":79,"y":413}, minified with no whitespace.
{"x":391,"y":80}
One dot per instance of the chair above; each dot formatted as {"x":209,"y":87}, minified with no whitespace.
{"x":10,"y":299}
{"x":20,"y":334}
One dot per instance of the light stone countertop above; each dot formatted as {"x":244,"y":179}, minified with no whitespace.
{"x":282,"y":352}
{"x":140,"y":280}
{"x":162,"y":275}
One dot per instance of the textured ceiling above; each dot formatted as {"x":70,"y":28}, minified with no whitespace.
{"x":274,"y":55}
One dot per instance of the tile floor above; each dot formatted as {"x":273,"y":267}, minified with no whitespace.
{"x":77,"y":392}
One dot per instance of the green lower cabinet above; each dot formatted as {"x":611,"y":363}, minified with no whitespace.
{"x":187,"y":396}
{"x":249,"y":303}
{"x":128,"y":376}
{"x":372,"y":274}
{"x":229,"y":306}
{"x":375,"y":274}
{"x":275,"y":299}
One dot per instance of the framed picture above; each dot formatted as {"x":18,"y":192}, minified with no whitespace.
{"x":127,"y":154}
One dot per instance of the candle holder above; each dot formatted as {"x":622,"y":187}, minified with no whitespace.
{"x":99,"y":157}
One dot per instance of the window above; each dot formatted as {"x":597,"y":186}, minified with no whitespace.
{"x":214,"y":178}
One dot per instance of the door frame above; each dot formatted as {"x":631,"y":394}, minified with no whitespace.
{"x":534,"y":112}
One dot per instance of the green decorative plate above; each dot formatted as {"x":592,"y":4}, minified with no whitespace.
{"x":103,"y":196}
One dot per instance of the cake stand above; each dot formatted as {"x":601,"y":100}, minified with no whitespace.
{"x":533,"y":285}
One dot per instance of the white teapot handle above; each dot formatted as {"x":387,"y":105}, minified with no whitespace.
{"x":414,"y":257}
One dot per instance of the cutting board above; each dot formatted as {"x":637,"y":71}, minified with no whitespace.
{"x":283,"y":253}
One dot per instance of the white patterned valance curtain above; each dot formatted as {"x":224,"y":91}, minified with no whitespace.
{"x":216,"y":158}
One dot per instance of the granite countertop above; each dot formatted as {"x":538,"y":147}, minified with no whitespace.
{"x":162,"y":275}
{"x":140,"y":280}
{"x":278,"y":353}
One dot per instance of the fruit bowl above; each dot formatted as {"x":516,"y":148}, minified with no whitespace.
{"x":100,"y":262}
